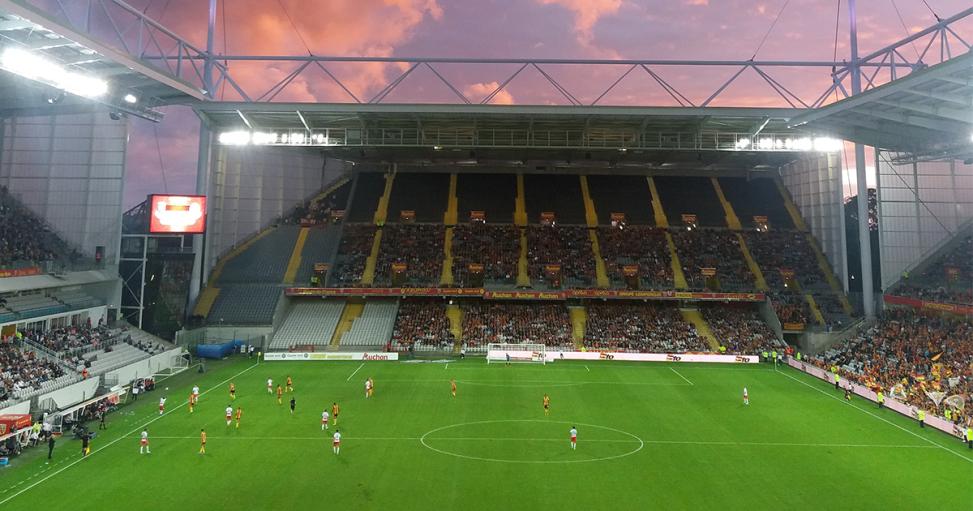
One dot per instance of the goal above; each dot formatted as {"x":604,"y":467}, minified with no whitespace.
{"x":520,"y":353}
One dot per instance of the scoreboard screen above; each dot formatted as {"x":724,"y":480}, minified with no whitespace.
{"x":177,"y":214}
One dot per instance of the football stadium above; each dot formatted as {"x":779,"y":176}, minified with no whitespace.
{"x":525,"y":254}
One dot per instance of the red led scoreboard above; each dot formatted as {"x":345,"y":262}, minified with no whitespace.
{"x":177,"y":214}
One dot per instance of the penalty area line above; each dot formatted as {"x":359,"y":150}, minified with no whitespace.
{"x":680,"y":375}
{"x":356,"y":371}
{"x":119,"y":439}
{"x":937,"y":444}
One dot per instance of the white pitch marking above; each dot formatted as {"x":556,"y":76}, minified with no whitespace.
{"x":356,"y":371}
{"x":680,"y":375}
{"x":113,"y":442}
{"x":937,"y":444}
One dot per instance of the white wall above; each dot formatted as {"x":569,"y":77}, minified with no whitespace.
{"x":69,"y":169}
{"x":814,"y":182}
{"x":921,"y":206}
{"x":249,"y":187}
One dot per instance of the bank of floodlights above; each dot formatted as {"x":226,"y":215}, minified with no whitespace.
{"x":35,"y":67}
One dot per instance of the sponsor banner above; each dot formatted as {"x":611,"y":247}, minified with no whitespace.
{"x":20,"y":272}
{"x":617,"y":218}
{"x":399,"y":267}
{"x":760,"y":219}
{"x":475,"y":267}
{"x":708,"y":272}
{"x":617,"y":294}
{"x":331,"y":356}
{"x":547,"y":218}
{"x":522,"y":295}
{"x":689,"y":219}
{"x":867,"y":393}
{"x":322,"y":267}
{"x":407,"y":215}
{"x":787,"y":273}
{"x":794,"y":326}
{"x":630,"y":270}
{"x":915,"y":303}
{"x":628,"y":357}
{"x":478,"y":216}
{"x":337,"y":215}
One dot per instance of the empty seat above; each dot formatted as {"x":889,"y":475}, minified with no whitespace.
{"x":308,"y":322}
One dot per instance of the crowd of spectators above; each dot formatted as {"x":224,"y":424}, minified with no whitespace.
{"x":647,"y":327}
{"x":22,"y":370}
{"x":909,"y":353}
{"x":422,"y":322}
{"x":717,"y":249}
{"x":317,"y":210}
{"x":790,"y":306}
{"x":937,"y":284}
{"x":24,"y":237}
{"x":419,"y":246}
{"x":785,"y":250}
{"x":739,"y":329}
{"x":496,"y":247}
{"x":538,"y":323}
{"x":355,"y":246}
{"x":70,"y":341}
{"x":644,"y":246}
{"x":568,"y":246}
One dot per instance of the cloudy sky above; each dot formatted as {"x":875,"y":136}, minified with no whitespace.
{"x":162,"y":157}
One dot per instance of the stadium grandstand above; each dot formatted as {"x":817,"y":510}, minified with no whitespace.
{"x":389,"y":238}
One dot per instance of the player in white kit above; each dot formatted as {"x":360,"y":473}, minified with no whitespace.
{"x":196,"y":393}
{"x":229,"y":415}
{"x":336,"y":442}
{"x":324,"y":420}
{"x":144,"y":443}
{"x":162,"y":405}
{"x":746,"y":396}
{"x":270,"y":386}
{"x":574,"y":438}
{"x":368,"y":387}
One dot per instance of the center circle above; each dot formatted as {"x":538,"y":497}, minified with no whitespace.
{"x":629,"y":438}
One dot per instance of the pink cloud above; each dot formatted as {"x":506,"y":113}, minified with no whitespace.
{"x":586,"y":14}
{"x":478,"y":91}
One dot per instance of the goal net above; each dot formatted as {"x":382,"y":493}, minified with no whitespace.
{"x":520,"y":353}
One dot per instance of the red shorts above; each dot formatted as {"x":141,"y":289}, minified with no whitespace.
{"x":228,"y":417}
{"x":144,"y":441}
{"x":324,"y":421}
{"x":336,"y":444}
{"x":574,"y":439}
{"x":162,"y":407}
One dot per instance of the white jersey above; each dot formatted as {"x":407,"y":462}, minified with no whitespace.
{"x":324,"y":416}
{"x":195,"y":391}
{"x":337,"y":437}
{"x":745,"y":394}
{"x":229,"y":411}
{"x":270,"y":383}
{"x":162,"y":401}
{"x":574,"y":433}
{"x":145,"y":435}
{"x":368,"y":384}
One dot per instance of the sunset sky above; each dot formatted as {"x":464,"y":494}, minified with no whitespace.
{"x":604,"y":29}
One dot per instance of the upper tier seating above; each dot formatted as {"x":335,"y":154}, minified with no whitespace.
{"x":497,"y":247}
{"x":353,"y":251}
{"x":621,"y":194}
{"x":369,"y":187}
{"x":935,"y":285}
{"x":646,"y":327}
{"x":494,"y":194}
{"x":318,"y":210}
{"x":318,"y":248}
{"x":264,"y":261}
{"x":756,"y":197}
{"x":568,"y":246}
{"x":77,"y":299}
{"x":245,"y":305}
{"x":374,"y":326}
{"x":539,"y":323}
{"x":308,"y":322}
{"x":690,"y":195}
{"x":420,"y":246}
{"x":426,"y":194}
{"x":709,"y":248}
{"x":642,"y":245}
{"x":560,"y":194}
{"x":25,"y":238}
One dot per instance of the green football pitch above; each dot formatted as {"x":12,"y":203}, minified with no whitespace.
{"x":650,"y":436}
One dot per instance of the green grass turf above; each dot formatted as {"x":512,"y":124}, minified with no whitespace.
{"x":663,"y":443}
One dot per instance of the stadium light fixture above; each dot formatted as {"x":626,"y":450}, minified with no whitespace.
{"x":35,"y":67}
{"x":131,"y":99}
{"x":235,"y":138}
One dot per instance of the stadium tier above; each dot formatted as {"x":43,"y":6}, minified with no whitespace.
{"x":308,"y":323}
{"x":25,"y":239}
{"x":373,"y":327}
{"x":245,"y":305}
{"x":946,"y":278}
{"x":650,"y":328}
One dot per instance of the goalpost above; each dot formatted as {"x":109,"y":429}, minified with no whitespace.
{"x":520,"y":353}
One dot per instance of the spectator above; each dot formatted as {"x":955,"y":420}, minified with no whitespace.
{"x":647,"y":327}
{"x":538,"y":323}
{"x":646,"y":247}
{"x":568,"y":246}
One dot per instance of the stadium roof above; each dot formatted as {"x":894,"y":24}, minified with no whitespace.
{"x":519,"y":132}
{"x":28,"y":28}
{"x":928,"y":112}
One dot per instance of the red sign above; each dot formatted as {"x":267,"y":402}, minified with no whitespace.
{"x":611,"y":294}
{"x":547,"y":218}
{"x":177,"y":214}
{"x":708,"y":272}
{"x":20,"y":272}
{"x":689,"y":218}
{"x":399,"y":267}
{"x":10,"y":421}
{"x":478,"y":216}
{"x":915,"y":303}
{"x":630,"y":270}
{"x":793,"y":326}
{"x":760,"y":219}
{"x":407,"y":215}
{"x":475,"y":267}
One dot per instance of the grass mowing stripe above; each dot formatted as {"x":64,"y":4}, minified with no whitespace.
{"x":937,"y":444}
{"x":356,"y":371}
{"x":673,"y":369}
{"x":123,"y":437}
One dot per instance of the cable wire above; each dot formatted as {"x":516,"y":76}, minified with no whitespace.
{"x":226,"y":64}
{"x":904,"y":27}
{"x":931,"y":10}
{"x":769,"y":30}
{"x":158,"y":151}
{"x":296,"y":31}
